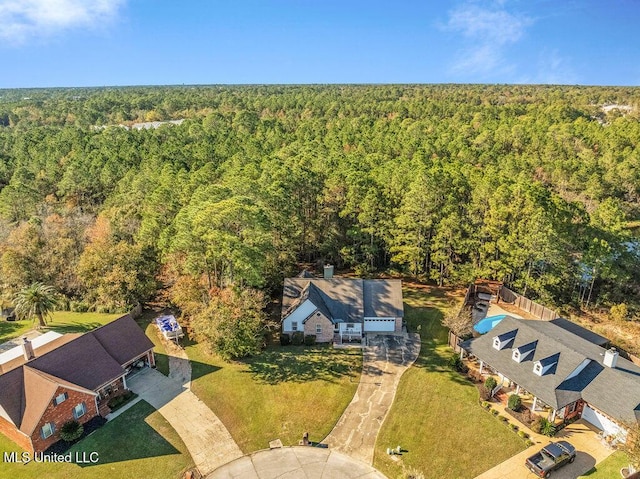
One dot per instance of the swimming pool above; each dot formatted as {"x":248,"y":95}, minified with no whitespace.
{"x":487,"y":324}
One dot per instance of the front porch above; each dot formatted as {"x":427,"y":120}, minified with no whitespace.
{"x":345,"y":340}
{"x":505,"y":388}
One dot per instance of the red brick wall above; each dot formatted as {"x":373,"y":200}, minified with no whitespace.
{"x":60,"y":414}
{"x":16,"y":436}
{"x":327,"y":328}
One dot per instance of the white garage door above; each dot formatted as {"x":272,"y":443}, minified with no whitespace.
{"x":600,"y":421}
{"x":379,"y":325}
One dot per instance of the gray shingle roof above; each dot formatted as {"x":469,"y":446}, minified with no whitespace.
{"x":383,"y":298}
{"x":580,"y":331}
{"x":345,"y":299}
{"x":614,"y":391}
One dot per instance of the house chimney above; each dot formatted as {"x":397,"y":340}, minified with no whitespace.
{"x":328,"y":271}
{"x":611,"y":357}
{"x":27,"y":348}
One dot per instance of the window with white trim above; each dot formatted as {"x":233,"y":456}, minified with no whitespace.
{"x":47,"y":430}
{"x":349,"y":325}
{"x":318,"y":329}
{"x":60,"y":399}
{"x":79,"y":410}
{"x":294,"y":326}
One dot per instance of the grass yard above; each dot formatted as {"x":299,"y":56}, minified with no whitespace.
{"x":60,"y":321}
{"x":436,"y":417}
{"x":609,"y":468}
{"x":281,"y":393}
{"x":139,"y":443}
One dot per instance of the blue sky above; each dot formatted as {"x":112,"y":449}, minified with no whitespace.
{"x":135,"y":42}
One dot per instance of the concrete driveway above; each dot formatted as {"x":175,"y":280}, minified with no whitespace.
{"x":207,"y":439}
{"x":580,"y":434}
{"x":384,"y":360}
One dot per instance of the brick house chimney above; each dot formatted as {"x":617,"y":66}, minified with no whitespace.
{"x":27,"y":348}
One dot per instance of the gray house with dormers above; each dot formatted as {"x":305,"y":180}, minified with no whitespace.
{"x":564,"y":367}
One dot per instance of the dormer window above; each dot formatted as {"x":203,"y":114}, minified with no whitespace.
{"x":546,"y":365}
{"x":524,"y":352}
{"x":504,"y":340}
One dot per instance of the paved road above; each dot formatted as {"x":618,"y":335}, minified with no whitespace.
{"x":206,"y":438}
{"x":384,"y":361}
{"x":296,"y":463}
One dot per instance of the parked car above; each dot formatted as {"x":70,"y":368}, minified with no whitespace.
{"x":551,"y":457}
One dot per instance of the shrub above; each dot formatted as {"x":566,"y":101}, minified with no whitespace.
{"x":514,"y":402}
{"x":285,"y":339}
{"x":494,"y":412}
{"x":455,"y":362}
{"x":486,"y":405}
{"x":523,"y":435}
{"x":485,"y":394}
{"x":536,"y":424}
{"x":619,"y":312}
{"x":78,"y":306}
{"x":118,"y":401}
{"x":71,"y":430}
{"x":529,"y":443}
{"x":297,"y":338}
{"x":548,"y":428}
{"x":310,"y":340}
{"x":490,"y":383}
{"x":513,"y":427}
{"x":543,"y":426}
{"x":503,"y":419}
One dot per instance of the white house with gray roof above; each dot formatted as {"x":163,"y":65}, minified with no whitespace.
{"x":341,"y":308}
{"x":564,"y":368}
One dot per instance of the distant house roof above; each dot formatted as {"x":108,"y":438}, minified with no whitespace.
{"x":83,"y":362}
{"x":345,"y":299}
{"x":615,"y":391}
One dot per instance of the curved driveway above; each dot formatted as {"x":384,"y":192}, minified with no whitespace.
{"x":384,"y":361}
{"x":207,"y":439}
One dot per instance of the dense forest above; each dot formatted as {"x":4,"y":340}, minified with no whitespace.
{"x":535,"y":185}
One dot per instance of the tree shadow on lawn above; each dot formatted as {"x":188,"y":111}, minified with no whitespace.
{"x":126,"y":438}
{"x":298,"y":364}
{"x":72,"y":327}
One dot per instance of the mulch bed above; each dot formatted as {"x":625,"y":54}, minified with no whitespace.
{"x":60,"y":447}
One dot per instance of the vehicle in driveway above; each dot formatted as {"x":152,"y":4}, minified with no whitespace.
{"x":551,"y":457}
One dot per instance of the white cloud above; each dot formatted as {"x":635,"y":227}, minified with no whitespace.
{"x":554,"y":69}
{"x":24,"y":19}
{"x":488,"y":31}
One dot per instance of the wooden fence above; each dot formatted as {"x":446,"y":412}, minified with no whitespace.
{"x":525,"y":304}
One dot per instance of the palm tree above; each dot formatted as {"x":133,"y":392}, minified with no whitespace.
{"x":35,"y":301}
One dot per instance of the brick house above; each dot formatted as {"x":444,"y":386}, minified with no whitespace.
{"x":67,"y":377}
{"x":336,"y":309}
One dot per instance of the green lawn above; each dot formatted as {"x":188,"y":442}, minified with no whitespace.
{"x":162,"y":360}
{"x":281,"y":393}
{"x":609,"y":468}
{"x":60,"y":321}
{"x":139,"y":443}
{"x":436,"y":417}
